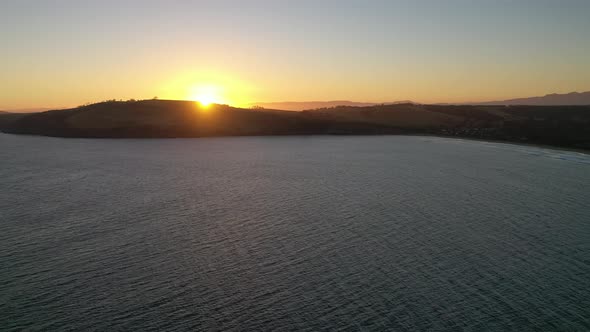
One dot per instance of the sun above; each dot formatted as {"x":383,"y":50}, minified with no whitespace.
{"x":205,"y":100}
{"x":206,"y":95}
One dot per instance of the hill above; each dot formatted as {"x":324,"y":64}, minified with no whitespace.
{"x":574,"y":98}
{"x":172,"y":118}
{"x":309,"y":105}
{"x":8,"y":119}
{"x":566,"y":126}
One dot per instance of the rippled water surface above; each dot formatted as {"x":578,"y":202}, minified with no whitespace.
{"x":292,"y":233}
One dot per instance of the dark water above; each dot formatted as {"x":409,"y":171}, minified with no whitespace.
{"x":292,"y":233}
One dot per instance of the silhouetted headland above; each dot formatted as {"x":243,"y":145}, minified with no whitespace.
{"x":565,"y":126}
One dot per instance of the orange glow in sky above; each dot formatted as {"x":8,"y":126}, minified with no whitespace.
{"x":376,"y":51}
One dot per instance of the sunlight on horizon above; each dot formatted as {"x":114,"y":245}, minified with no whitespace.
{"x":207,"y":88}
{"x":206,"y":95}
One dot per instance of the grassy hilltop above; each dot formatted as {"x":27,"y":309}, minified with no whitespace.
{"x":567,"y":126}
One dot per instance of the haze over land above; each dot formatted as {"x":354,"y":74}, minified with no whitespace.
{"x":554,"y":99}
{"x":573,"y":98}
{"x":309,"y":105}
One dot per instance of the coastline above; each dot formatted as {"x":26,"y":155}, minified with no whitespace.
{"x":517,"y":143}
{"x":529,"y":144}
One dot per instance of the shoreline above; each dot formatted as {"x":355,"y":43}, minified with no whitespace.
{"x":537,"y":145}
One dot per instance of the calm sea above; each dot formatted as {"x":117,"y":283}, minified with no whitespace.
{"x":292,"y":234}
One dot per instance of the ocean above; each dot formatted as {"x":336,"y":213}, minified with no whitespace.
{"x":308,"y":233}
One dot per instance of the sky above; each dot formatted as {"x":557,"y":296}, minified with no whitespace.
{"x":65,"y":53}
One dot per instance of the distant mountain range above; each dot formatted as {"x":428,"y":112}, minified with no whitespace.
{"x":310,"y":105}
{"x":554,"y":99}
{"x":573,"y":98}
